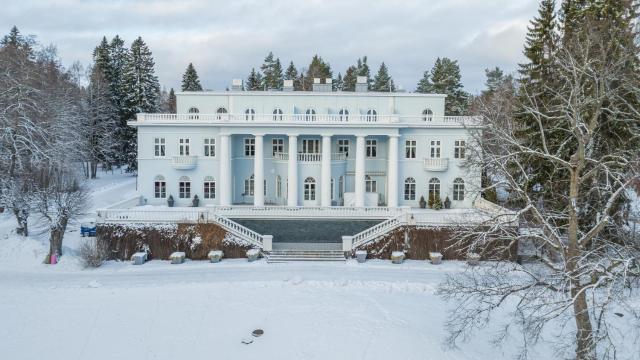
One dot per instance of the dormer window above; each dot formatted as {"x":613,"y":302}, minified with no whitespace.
{"x":343,"y":114}
{"x":192,"y":111}
{"x":221,"y":112}
{"x":427,"y":115}
{"x":372,"y":115}
{"x":250,"y":114}
{"x":310,"y":115}
{"x":277,"y":114}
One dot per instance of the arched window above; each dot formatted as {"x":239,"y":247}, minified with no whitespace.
{"x":410,"y":188}
{"x":372,"y":115}
{"x":370,"y":184}
{"x":250,"y":114}
{"x":458,"y":189}
{"x":277,"y":114}
{"x":309,"y":189}
{"x":310,"y":115}
{"x":221,"y":113}
{"x":249,"y":186}
{"x":427,"y":115}
{"x":343,"y":114}
{"x":209,"y":189}
{"x":192,"y":111}
{"x":184,"y":187}
{"x":159,"y":187}
{"x":434,"y":188}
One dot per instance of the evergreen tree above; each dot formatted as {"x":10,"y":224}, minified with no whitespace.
{"x":254,"y":81}
{"x":350,"y":79}
{"x":444,"y":78}
{"x":337,"y":85}
{"x":171,"y":102}
{"x":540,"y":46}
{"x":190,"y":80}
{"x":118,"y":57}
{"x":102,"y":119}
{"x":272,"y":73}
{"x":142,"y":92}
{"x":292,"y":74}
{"x":102,"y":61}
{"x":383,"y":81}
{"x":318,"y":68}
{"x":495,"y":79}
{"x":363,"y":70}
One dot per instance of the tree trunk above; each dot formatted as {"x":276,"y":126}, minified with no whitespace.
{"x":94,"y":169}
{"x":57,"y":234}
{"x":22,"y":217}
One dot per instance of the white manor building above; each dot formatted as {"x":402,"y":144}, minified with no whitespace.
{"x":305,"y":149}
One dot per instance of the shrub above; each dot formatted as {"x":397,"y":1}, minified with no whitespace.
{"x":93,"y":252}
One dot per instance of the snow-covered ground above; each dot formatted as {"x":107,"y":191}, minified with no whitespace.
{"x":375,"y":310}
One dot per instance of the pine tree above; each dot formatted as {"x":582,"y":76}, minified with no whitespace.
{"x":118,"y":57}
{"x":254,"y":81}
{"x":383,"y":81}
{"x":350,"y":79}
{"x":540,"y":46}
{"x":272,"y":73}
{"x":190,"y":80}
{"x":444,"y":78}
{"x":102,"y":60}
{"x":292,"y":74}
{"x":495,"y":79}
{"x":171,"y":102}
{"x":318,"y":68}
{"x":142,"y":91}
{"x":363,"y":70}
{"x":337,"y":85}
{"x":102,"y":119}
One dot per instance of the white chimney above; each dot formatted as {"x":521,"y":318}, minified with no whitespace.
{"x":236,"y":85}
{"x":361,"y":84}
{"x":288,"y":85}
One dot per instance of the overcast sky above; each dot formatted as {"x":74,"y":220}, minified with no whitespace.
{"x":224,"y":39}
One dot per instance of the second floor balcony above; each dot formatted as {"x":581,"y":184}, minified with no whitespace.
{"x":184,"y":162}
{"x":309,"y":157}
{"x":436,"y":164}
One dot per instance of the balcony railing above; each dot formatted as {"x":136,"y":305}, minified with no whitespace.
{"x":304,"y":118}
{"x":184,"y":162}
{"x":309,"y":157}
{"x":436,"y":164}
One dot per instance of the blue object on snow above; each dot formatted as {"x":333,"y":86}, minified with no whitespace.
{"x":88,"y":229}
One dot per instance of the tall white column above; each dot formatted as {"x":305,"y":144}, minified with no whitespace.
{"x":224,"y":190}
{"x":360,"y":168}
{"x":325,"y":171}
{"x":292,"y":196}
{"x":392,"y":172}
{"x":258,"y":171}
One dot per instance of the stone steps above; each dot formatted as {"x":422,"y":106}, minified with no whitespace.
{"x":281,"y":256}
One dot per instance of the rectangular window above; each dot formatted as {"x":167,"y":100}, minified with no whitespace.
{"x":310,"y":146}
{"x":248,"y":186}
{"x":458,"y":149}
{"x":372,"y":148}
{"x":278,"y":146}
{"x":160,"y":189}
{"x":249,"y":147}
{"x":435,"y":149}
{"x":343,"y":147}
{"x":410,"y":149}
{"x":159,"y":149}
{"x":371,"y":185}
{"x":184,"y":148}
{"x":209,"y":189}
{"x":184,"y":189}
{"x":210,"y":147}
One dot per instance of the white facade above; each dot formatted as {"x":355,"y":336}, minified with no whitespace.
{"x":352,"y":149}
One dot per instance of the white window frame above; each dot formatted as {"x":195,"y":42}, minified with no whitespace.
{"x":277,"y":114}
{"x":410,"y":189}
{"x":159,"y":187}
{"x":434,"y":187}
{"x":184,"y":146}
{"x":309,"y":189}
{"x":410,"y":149}
{"x":343,"y":114}
{"x":435,"y":150}
{"x":277,"y":145}
{"x":249,"y":186}
{"x":249,"y":147}
{"x":193,"y":113}
{"x":159,"y":147}
{"x":371,"y":148}
{"x":370,"y":185}
{"x":332,"y":190}
{"x":343,"y":147}
{"x":310,"y":146}
{"x":458,"y":189}
{"x":209,"y":147}
{"x":184,"y":188}
{"x":372,"y":115}
{"x":220,"y":112}
{"x":459,"y":149}
{"x":278,"y":186}
{"x":427,"y":115}
{"x":250,"y":114}
{"x":341,"y":187}
{"x":310,"y":115}
{"x":209,"y":188}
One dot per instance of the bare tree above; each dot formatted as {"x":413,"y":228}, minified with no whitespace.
{"x":587,"y":261}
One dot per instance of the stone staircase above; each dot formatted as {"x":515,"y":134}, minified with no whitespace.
{"x":283,"y":256}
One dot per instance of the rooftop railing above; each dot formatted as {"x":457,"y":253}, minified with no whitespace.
{"x":309,"y":119}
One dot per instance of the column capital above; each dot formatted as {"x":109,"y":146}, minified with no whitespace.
{"x":293,"y":135}
{"x":326,"y":135}
{"x":258,"y":134}
{"x":361,"y":136}
{"x":224,"y":134}
{"x":394,"y":135}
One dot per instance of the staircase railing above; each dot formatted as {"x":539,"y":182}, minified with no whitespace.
{"x":238,"y":230}
{"x":378,"y":230}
